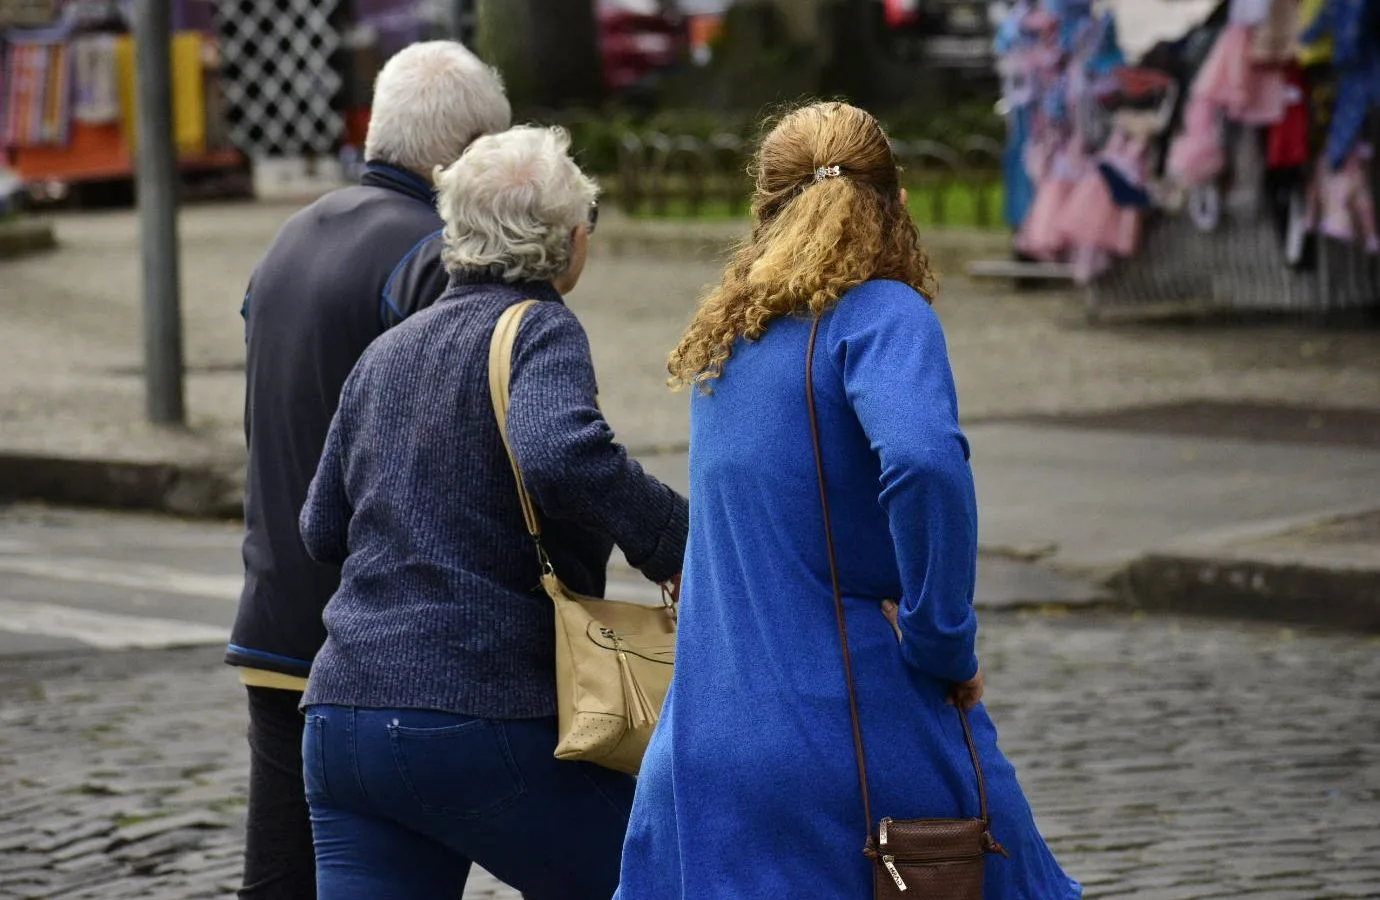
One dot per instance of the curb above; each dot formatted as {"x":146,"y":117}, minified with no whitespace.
{"x":1247,"y":589}
{"x":1291,"y":593}
{"x":1254,"y":589}
{"x":22,"y":237}
{"x":200,"y":492}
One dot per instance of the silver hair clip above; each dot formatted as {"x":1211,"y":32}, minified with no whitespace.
{"x":824,"y":172}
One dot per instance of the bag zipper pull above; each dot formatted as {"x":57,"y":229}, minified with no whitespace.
{"x":882,"y":831}
{"x":890,"y":863}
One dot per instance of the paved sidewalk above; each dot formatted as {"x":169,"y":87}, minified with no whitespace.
{"x":1071,"y":467}
{"x":72,"y":383}
{"x":1165,"y":760}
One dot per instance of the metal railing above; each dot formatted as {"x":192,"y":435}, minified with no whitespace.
{"x":660,"y":174}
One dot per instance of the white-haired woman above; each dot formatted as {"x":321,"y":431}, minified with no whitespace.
{"x":430,"y":709}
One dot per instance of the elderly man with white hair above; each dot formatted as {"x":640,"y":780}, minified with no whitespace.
{"x":431,"y":709}
{"x":339,"y":273}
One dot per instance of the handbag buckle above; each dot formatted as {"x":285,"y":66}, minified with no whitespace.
{"x":546,"y":567}
{"x":669,"y":602}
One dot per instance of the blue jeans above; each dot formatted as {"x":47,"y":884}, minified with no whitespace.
{"x":402,"y":801}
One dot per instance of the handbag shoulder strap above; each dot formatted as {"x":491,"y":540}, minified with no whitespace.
{"x":838,"y":608}
{"x":500,"y":378}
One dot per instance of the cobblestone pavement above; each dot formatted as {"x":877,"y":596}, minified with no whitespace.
{"x":1166,"y":760}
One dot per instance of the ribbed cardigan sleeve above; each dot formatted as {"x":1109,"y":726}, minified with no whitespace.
{"x":889,"y":350}
{"x":572,"y":465}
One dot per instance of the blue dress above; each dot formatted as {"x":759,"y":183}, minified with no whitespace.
{"x":749,"y":788}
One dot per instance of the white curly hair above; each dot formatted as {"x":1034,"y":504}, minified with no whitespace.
{"x":510,"y":204}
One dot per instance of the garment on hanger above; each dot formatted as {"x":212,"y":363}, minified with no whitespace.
{"x":188,"y":92}
{"x":1018,"y":188}
{"x":1105,"y":213}
{"x":1350,"y":24}
{"x":37,"y":99}
{"x":1020,"y":68}
{"x":1311,"y":52}
{"x":1356,"y":55}
{"x":1106,"y":206}
{"x":1358,"y":93}
{"x":1010,"y":32}
{"x":1243,"y":90}
{"x":1196,"y":155}
{"x":1042,"y":235}
{"x":95,"y":78}
{"x":1287,"y":143}
{"x":1106,"y":55}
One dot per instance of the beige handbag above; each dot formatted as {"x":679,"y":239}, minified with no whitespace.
{"x":613,"y":659}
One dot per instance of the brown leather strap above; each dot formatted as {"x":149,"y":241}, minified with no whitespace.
{"x":834,"y":578}
{"x":838,"y":609}
{"x":977,"y":766}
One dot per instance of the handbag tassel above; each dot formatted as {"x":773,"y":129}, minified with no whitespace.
{"x":640,"y":711}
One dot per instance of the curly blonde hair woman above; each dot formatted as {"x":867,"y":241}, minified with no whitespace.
{"x":809,"y":247}
{"x":749,"y":787}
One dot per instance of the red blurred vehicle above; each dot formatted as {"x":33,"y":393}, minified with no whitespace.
{"x":639,"y":39}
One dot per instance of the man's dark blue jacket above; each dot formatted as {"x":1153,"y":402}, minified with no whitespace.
{"x":339,"y":273}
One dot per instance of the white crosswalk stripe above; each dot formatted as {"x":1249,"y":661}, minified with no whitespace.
{"x":109,"y":629}
{"x":135,"y":576}
{"x":104,"y":630}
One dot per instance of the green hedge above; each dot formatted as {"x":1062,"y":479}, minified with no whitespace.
{"x":596,"y":136}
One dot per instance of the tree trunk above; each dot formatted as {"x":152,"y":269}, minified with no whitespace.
{"x":547,"y":50}
{"x":801,"y":19}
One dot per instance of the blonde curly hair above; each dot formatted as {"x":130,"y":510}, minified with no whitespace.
{"x":814,"y":238}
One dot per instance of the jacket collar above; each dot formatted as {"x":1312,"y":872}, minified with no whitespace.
{"x":386,"y":175}
{"x":473,"y":284}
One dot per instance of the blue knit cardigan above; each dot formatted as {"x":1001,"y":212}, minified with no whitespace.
{"x":439,"y":605}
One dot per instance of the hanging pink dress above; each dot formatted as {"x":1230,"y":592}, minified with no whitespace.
{"x":1097,"y":221}
{"x":1041,"y":236}
{"x":1235,"y":78}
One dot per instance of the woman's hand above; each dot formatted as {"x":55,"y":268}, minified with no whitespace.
{"x":969,"y":693}
{"x":892,"y":612}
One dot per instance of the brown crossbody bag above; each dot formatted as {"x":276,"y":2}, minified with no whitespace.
{"x":937,"y":859}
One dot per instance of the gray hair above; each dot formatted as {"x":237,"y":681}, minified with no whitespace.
{"x":431,"y":100}
{"x":510,"y":204}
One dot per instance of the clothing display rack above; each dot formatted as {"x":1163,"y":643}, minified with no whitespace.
{"x":1234,"y":167}
{"x":67,"y":90}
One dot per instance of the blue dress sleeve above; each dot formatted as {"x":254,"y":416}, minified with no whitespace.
{"x":888,"y":347}
{"x":325,"y":518}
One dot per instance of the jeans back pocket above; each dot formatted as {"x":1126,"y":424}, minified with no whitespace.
{"x":463,"y":771}
{"x":314,"y":759}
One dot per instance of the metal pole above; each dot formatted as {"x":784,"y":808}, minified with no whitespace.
{"x":157,"y":192}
